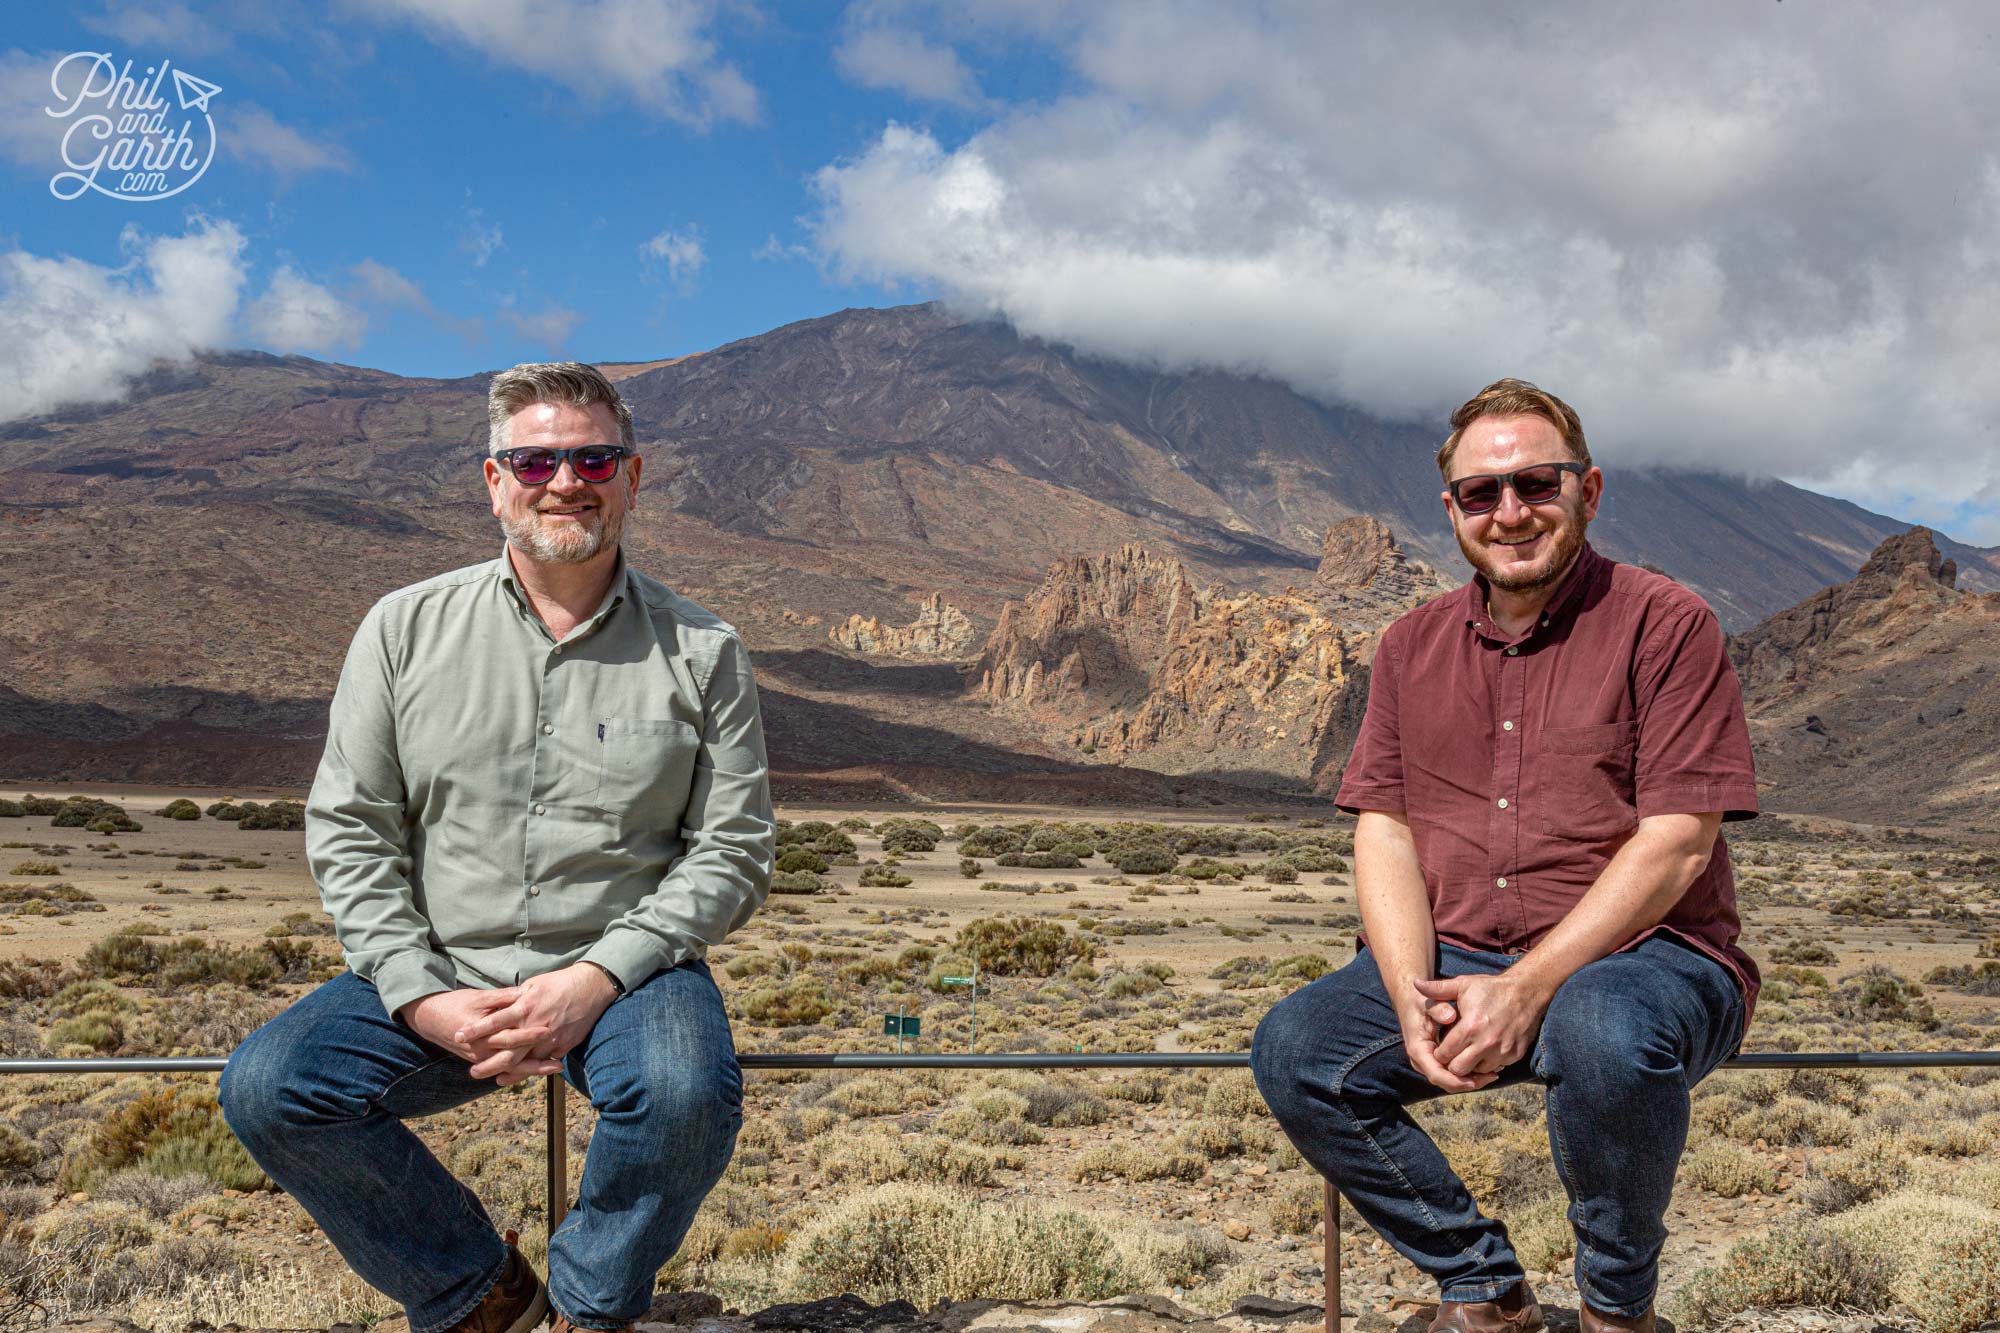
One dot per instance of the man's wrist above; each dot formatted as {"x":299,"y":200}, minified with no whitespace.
{"x":617,"y":986}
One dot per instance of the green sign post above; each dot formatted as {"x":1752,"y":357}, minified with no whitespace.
{"x":900,"y":1025}
{"x":972,"y":982}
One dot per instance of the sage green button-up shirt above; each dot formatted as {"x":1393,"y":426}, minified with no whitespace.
{"x":493,"y":804}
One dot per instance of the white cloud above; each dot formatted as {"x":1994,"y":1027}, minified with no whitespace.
{"x":74,"y":333}
{"x":28,"y":134}
{"x":174,"y":29}
{"x":257,"y":134}
{"x":551,"y":326}
{"x":479,"y":238}
{"x":657,"y":52}
{"x":1755,"y":238}
{"x":904,"y":61}
{"x":375,"y":284}
{"x":679,"y":252}
{"x":296,"y":314}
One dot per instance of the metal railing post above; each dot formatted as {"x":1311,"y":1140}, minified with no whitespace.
{"x":1330,"y":1218}
{"x":556,"y":1199}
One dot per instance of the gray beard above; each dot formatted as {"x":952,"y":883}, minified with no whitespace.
{"x":532,"y":538}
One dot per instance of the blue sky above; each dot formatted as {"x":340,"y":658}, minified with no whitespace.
{"x":1756,"y":238}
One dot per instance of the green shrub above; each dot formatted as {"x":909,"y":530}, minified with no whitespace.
{"x":1020,"y":946}
{"x":796,"y":882}
{"x":41,"y":806}
{"x":1040,"y":860}
{"x":992,"y":840}
{"x":169,"y":1131}
{"x":11,"y":809}
{"x":78,"y":813}
{"x":1878,"y":994}
{"x":288,"y":816}
{"x":36,"y":868}
{"x":795,"y":859}
{"x":882,"y":877}
{"x":181,"y":808}
{"x":798,"y":1004}
{"x":969,"y":867}
{"x":1280,"y":872}
{"x":909,"y":835}
{"x":1143,"y":858}
{"x":19,"y":1154}
{"x":225,"y":810}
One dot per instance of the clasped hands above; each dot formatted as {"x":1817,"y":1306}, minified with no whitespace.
{"x":515,"y":1032}
{"x":1461,"y":1032}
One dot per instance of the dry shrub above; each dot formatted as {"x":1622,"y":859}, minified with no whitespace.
{"x":927,"y":1244}
{"x":266,"y":1296}
{"x":19,"y":1154}
{"x":1795,"y":1122}
{"x":880,"y":1156}
{"x":1802,"y":1265}
{"x":169,"y":1131}
{"x":1213,"y":1139}
{"x":1722,"y":1168}
{"x":1062,"y":1104}
{"x":1021,"y":946}
{"x":1233,"y":1095}
{"x":1501,"y":1169}
{"x":1296,"y":1207}
{"x":1132,"y":1162}
{"x":1837,"y":1181}
{"x":158,"y":1197}
{"x":971,"y":1126}
{"x":1541,"y":1233}
{"x":1942,"y":1255}
{"x":883,"y":1094}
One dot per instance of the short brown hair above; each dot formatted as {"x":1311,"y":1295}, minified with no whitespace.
{"x":570,"y":382}
{"x":1515,"y":398}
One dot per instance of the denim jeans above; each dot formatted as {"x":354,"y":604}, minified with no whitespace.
{"x":1621,"y":1045}
{"x":319,"y":1095}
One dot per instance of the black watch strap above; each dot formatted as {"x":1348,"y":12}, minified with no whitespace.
{"x":616,"y":984}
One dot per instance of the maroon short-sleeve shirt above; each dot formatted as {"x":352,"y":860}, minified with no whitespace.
{"x":1523,"y":764}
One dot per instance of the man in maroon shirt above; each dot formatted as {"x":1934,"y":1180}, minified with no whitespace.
{"x":1546,"y":759}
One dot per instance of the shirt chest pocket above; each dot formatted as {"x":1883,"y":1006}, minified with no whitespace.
{"x":644,"y":769}
{"x":1587,"y":775}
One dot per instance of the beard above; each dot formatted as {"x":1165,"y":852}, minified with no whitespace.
{"x":1565,"y":540}
{"x":535,"y":538}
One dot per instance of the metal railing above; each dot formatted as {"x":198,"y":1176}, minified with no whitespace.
{"x":556,"y":1148}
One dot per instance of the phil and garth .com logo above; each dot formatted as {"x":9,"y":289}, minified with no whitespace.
{"x":124,"y":140}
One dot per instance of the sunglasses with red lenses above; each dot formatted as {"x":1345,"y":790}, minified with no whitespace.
{"x":537,"y":467}
{"x":1537,"y":485}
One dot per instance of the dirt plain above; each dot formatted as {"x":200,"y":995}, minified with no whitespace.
{"x":1184,"y":1170}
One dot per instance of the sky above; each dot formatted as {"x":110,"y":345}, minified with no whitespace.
{"x":1754,"y":236}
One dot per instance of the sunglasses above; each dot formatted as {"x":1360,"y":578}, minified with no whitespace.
{"x":1537,"y":485}
{"x":590,"y":462}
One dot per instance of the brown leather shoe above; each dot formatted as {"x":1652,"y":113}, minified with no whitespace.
{"x":561,"y":1324}
{"x":516,"y":1303}
{"x":1593,"y":1322}
{"x":1514,"y":1312}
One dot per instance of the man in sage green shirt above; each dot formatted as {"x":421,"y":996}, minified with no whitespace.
{"x":544,"y":790}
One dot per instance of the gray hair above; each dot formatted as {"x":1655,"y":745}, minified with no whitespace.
{"x":570,"y":382}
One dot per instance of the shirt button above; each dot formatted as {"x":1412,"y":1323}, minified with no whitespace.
{"x":1512,"y":650}
{"x":535,"y":890}
{"x":1503,"y":805}
{"x":541,"y":809}
{"x":1500,"y":883}
{"x":1504,"y":726}
{"x":549,"y":728}
{"x":556,"y":649}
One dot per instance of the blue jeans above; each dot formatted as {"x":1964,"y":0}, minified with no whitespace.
{"x":1623,"y":1042}
{"x":318,"y":1095}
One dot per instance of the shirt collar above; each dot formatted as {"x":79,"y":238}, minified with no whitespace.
{"x":1581,"y":577}
{"x":621,"y":575}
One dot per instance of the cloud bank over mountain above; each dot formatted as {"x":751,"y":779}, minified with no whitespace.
{"x":1760,"y":238}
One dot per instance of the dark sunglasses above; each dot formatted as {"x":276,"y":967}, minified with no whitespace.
{"x":590,"y":462}
{"x":1537,"y":485}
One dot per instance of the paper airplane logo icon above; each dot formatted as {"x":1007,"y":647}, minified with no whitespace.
{"x":194,"y":93}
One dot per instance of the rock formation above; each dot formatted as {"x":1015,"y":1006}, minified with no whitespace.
{"x":1128,"y":655}
{"x":1878,"y":698}
{"x":940,"y":632}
